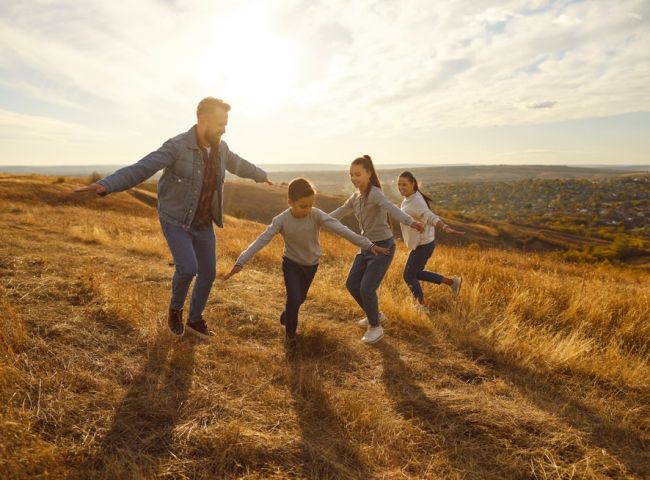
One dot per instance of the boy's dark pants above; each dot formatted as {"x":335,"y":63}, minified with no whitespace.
{"x":297,"y":280}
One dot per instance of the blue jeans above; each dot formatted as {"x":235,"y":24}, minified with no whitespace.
{"x":297,"y":280}
{"x":365,"y":276}
{"x":195,"y":255}
{"x":414,"y":269}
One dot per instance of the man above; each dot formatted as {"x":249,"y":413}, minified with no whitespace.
{"x":190,"y":198}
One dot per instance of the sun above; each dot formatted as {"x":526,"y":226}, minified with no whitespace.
{"x":253,"y":64}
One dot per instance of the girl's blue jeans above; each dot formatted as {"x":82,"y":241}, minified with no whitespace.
{"x":365,"y":276}
{"x":414,"y":269}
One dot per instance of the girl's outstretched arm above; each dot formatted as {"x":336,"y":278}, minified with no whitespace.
{"x":335,"y":226}
{"x":344,"y":209}
{"x":396,"y":213}
{"x":447,"y":229}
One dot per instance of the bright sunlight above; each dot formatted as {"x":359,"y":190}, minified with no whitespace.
{"x":256,"y":67}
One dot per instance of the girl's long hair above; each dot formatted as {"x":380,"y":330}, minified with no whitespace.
{"x":366,"y":163}
{"x":411,"y":178}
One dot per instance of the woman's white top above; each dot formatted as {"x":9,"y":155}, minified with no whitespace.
{"x":416,"y":207}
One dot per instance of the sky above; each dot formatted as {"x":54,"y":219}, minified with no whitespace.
{"x":405,"y":81}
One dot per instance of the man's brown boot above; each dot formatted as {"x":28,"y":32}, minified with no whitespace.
{"x":200,"y":329}
{"x":175,"y":321}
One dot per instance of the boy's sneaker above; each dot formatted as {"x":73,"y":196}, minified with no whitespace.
{"x":455,"y":285}
{"x":373,"y":335}
{"x":363,"y":323}
{"x":418,"y":307}
{"x":175,"y":321}
{"x":200,"y":329}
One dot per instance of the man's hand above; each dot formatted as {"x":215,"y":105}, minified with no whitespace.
{"x":376,"y":250}
{"x":418,"y":226}
{"x":235,"y":269}
{"x":93,"y":187}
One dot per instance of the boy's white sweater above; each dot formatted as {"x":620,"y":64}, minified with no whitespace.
{"x":415,"y":206}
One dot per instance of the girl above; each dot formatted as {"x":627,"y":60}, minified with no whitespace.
{"x":372,"y":210}
{"x":417,"y":205}
{"x":300,"y":225}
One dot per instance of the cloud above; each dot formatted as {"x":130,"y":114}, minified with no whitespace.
{"x":38,"y":128}
{"x":538,"y":105}
{"x":366,"y":68}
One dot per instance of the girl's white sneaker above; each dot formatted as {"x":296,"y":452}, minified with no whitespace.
{"x":363,"y":323}
{"x":373,"y":335}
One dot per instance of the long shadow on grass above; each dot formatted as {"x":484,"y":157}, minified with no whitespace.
{"x":554,"y":396}
{"x":140,"y":435}
{"x":467,"y":445}
{"x":327,"y":452}
{"x":550,"y":394}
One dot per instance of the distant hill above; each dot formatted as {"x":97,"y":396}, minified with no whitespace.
{"x":338,"y":182}
{"x":335,"y":175}
{"x":261,"y":203}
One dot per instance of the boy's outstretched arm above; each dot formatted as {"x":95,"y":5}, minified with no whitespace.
{"x":235,"y":269}
{"x":259,"y":243}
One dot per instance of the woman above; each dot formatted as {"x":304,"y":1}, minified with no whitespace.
{"x":371,"y":209}
{"x":421,"y":245}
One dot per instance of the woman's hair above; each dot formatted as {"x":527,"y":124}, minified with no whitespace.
{"x":411,"y":178}
{"x":300,"y":188}
{"x":366,"y":163}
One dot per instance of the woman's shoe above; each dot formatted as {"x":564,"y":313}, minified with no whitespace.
{"x":373,"y":335}
{"x":363,"y":323}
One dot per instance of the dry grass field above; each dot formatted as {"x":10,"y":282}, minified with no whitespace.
{"x":539,"y":370}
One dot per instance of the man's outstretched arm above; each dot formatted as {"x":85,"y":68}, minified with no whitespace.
{"x":132,"y":175}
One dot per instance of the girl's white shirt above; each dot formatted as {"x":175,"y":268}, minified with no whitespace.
{"x":415,"y":206}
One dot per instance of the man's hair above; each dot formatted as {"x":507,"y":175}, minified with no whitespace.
{"x":300,"y":188}
{"x":208,"y":104}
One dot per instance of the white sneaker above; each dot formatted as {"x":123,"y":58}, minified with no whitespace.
{"x":418,"y":307}
{"x":373,"y":335}
{"x":455,"y":286}
{"x":363,"y":323}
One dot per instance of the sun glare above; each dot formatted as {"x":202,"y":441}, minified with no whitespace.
{"x":253,"y":64}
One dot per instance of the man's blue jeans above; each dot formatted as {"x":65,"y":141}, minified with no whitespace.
{"x":365,"y":276}
{"x":414,"y":269}
{"x":195,"y":255}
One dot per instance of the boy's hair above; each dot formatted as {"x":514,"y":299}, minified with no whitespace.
{"x":208,"y":104}
{"x":300,"y":188}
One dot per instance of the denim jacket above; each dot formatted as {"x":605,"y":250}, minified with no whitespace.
{"x":179,"y":186}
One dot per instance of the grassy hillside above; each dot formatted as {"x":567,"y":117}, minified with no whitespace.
{"x":539,"y":369}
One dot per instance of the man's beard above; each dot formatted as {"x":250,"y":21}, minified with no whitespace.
{"x":212,"y":138}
